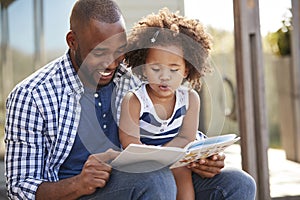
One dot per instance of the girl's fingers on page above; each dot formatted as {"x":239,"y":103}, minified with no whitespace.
{"x":219,"y":156}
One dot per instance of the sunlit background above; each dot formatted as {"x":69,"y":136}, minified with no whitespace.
{"x":216,"y":15}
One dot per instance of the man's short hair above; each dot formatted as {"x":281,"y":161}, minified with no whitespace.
{"x":102,"y":10}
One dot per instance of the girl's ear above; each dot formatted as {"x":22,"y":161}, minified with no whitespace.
{"x":186,"y":72}
{"x":71,"y":40}
{"x":144,"y":71}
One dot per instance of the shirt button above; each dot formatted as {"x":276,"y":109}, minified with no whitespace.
{"x":104,"y":115}
{"x":161,"y":130}
{"x":96,"y":95}
{"x":99,"y":104}
{"x":104,"y":126}
{"x":165,"y":123}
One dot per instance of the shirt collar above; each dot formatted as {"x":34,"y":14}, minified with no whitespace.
{"x":122,"y":70}
{"x":72,"y":79}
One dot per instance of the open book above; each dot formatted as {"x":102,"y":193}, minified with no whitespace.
{"x":174,"y":156}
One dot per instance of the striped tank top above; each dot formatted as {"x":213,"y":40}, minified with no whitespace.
{"x":153,"y":130}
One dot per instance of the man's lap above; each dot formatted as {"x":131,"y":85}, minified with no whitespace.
{"x":158,"y":184}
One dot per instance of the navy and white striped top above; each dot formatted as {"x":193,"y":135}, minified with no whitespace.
{"x":153,"y":130}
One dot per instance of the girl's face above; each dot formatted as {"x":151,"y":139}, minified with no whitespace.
{"x":165,"y":69}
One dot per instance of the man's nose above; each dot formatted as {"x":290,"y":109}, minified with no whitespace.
{"x":111,"y":62}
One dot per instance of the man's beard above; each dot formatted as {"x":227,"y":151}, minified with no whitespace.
{"x":81,"y":66}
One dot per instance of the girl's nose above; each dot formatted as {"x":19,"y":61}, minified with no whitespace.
{"x":165,"y":75}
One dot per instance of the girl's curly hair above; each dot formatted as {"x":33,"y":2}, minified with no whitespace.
{"x":165,"y":29}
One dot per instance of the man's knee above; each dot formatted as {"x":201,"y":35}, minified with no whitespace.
{"x":241,"y":183}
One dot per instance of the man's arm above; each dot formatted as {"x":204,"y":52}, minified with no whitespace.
{"x":24,"y":151}
{"x":95,"y":174}
{"x":25,"y":156}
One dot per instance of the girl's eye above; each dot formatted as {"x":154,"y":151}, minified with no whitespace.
{"x":174,"y":70}
{"x":155,"y":69}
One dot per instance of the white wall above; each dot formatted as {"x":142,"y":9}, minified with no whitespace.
{"x":134,"y":10}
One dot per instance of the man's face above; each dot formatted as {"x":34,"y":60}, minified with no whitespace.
{"x":99,"y":51}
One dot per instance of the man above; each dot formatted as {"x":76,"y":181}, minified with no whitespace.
{"x":60,"y":131}
{"x":47,"y":114}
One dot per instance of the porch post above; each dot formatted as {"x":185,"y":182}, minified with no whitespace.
{"x":251,"y":94}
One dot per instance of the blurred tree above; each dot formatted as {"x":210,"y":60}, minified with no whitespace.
{"x":280,"y":40}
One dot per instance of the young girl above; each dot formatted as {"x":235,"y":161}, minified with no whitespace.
{"x":168,"y":52}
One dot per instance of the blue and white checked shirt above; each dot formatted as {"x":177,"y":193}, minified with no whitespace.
{"x":42,"y":118}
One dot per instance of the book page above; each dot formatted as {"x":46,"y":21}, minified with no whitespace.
{"x":206,"y":148}
{"x":157,"y":156}
{"x":136,"y":153}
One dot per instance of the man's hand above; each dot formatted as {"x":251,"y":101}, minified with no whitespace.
{"x":209,"y":167}
{"x":96,"y":172}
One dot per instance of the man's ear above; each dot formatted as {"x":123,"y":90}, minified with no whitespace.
{"x":71,"y":41}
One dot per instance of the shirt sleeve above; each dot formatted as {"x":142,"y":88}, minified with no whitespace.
{"x":124,"y":81}
{"x":24,"y":145}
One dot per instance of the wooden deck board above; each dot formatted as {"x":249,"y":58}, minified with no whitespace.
{"x":284,"y":174}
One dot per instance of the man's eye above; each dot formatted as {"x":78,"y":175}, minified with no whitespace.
{"x":120,"y":51}
{"x":98,"y":54}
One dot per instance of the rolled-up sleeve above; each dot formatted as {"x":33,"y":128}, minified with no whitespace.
{"x":24,"y":145}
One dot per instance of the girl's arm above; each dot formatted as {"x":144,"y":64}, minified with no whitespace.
{"x":129,"y":129}
{"x":190,"y":122}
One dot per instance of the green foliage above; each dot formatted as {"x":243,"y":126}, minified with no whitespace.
{"x":280,"y":40}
